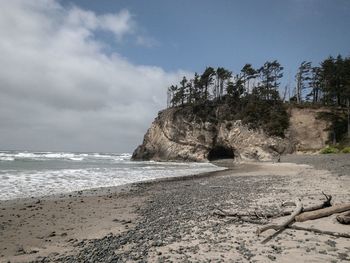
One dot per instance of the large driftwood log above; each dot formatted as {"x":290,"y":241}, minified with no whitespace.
{"x":278,"y":227}
{"x":322,"y":212}
{"x":258,"y":214}
{"x":344,"y":218}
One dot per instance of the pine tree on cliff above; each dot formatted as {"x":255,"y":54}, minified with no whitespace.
{"x":182,"y":90}
{"x":270,"y":74}
{"x":328,"y":80}
{"x":302,"y":80}
{"x":235,"y":89}
{"x":222,"y":75}
{"x":189,"y":92}
{"x":248,"y":73}
{"x":197,"y":89}
{"x":206,"y":80}
{"x":315,"y":84}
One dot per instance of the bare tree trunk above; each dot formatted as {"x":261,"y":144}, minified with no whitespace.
{"x":297,"y":211}
{"x":322,"y":212}
{"x":298,"y":88}
{"x":348,"y":105}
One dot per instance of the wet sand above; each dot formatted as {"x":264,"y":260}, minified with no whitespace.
{"x":172,"y":220}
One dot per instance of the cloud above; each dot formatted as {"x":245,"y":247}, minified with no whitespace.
{"x":119,"y":24}
{"x":61,"y":91}
{"x":147,"y":41}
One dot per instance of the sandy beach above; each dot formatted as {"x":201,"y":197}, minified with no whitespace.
{"x":173,"y":220}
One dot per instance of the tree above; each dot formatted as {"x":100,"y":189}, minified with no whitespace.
{"x":222,"y":75}
{"x":328,"y":81}
{"x":175,"y":100}
{"x":189,"y":92}
{"x":197,"y":88}
{"x":206,"y":80}
{"x":315,"y":84}
{"x":302,"y":79}
{"x":248,"y":73}
{"x":182,"y":90}
{"x":270,"y":74}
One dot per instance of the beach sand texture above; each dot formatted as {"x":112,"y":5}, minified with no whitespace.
{"x":172,"y":220}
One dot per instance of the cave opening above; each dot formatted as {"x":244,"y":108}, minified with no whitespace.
{"x":220,"y":152}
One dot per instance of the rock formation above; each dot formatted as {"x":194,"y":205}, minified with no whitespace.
{"x":176,"y":136}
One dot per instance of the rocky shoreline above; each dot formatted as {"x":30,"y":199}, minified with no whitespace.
{"x":172,"y":220}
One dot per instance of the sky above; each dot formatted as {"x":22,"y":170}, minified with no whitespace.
{"x":90,"y":75}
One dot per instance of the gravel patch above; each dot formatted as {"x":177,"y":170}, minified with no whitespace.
{"x":338,"y":164}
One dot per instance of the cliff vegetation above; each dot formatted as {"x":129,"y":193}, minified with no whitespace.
{"x":218,"y":114}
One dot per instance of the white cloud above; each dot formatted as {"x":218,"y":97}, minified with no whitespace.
{"x":119,"y":24}
{"x":60,"y":91}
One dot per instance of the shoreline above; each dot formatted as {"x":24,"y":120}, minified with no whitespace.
{"x":92,"y":191}
{"x":115,"y":189}
{"x":70,"y":226}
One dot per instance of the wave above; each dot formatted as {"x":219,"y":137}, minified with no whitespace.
{"x":67,"y":156}
{"x":28,"y":183}
{"x":5,"y":158}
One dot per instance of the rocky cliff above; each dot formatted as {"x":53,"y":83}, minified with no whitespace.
{"x":177,"y":136}
{"x":308,"y":132}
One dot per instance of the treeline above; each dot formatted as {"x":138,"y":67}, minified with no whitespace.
{"x":327,"y":84}
{"x":218,"y":84}
{"x":252,"y":96}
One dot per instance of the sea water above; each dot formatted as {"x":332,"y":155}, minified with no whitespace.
{"x":33,"y":174}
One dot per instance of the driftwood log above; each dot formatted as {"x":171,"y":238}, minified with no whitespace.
{"x":290,"y":219}
{"x":300,"y":214}
{"x":322,"y":212}
{"x":253,"y":214}
{"x":344,"y":218}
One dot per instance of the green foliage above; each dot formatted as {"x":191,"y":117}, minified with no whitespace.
{"x":338,"y":120}
{"x":329,"y":149}
{"x":216,"y":94}
{"x":327,"y":84}
{"x":270,"y":115}
{"x":345,"y":150}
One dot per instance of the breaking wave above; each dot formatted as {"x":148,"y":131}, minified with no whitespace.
{"x":33,"y":174}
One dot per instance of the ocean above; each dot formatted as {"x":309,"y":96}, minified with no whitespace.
{"x":26,"y":174}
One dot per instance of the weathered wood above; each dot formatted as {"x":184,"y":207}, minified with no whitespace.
{"x":258,"y":214}
{"x":254,"y":214}
{"x":318,"y":231}
{"x":344,"y":218}
{"x":322,"y":212}
{"x":326,"y":203}
{"x":278,"y":227}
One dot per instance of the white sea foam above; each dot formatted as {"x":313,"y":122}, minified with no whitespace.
{"x":10,"y":156}
{"x":45,"y":173}
{"x":6,"y":158}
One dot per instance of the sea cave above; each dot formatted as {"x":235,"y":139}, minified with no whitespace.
{"x":220,"y":152}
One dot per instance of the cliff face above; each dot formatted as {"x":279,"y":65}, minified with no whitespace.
{"x":307,"y":131}
{"x":176,"y":136}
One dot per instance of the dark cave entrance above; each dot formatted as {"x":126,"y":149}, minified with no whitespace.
{"x":220,"y":152}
